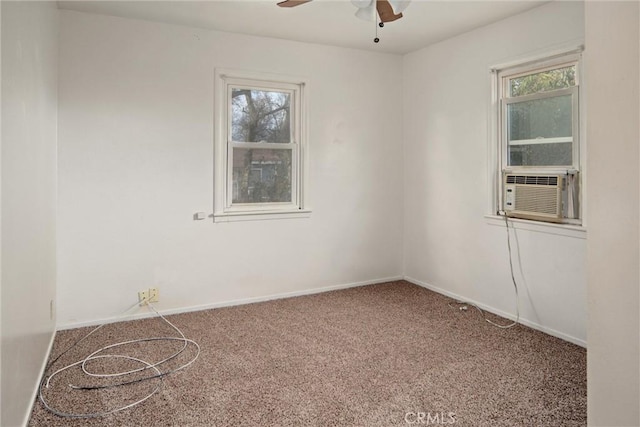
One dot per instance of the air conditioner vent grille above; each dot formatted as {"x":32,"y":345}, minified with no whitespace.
{"x":532,"y":180}
{"x":538,"y":200}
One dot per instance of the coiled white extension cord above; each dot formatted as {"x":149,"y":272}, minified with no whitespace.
{"x":154,"y":367}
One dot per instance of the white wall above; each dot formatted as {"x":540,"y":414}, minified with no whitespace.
{"x":448,"y":244}
{"x":29,"y":108}
{"x":136,"y":161}
{"x":612,"y":60}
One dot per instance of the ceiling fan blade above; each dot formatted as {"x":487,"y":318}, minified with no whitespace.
{"x":399,"y":5}
{"x":367,"y":13}
{"x":292,"y":3}
{"x":385,"y":11}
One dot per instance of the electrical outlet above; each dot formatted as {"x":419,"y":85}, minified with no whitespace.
{"x":143,"y":297}
{"x":154,"y":294}
{"x":148,"y":295}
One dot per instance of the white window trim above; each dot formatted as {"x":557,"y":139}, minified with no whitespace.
{"x":567,"y":230}
{"x":494,"y":149}
{"x":224,"y":211}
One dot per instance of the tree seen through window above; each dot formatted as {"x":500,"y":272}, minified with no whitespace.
{"x":261,"y":175}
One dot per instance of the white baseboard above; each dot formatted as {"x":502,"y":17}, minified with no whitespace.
{"x":501,"y":313}
{"x":34,"y":395}
{"x":231,"y":303}
{"x":252,"y":300}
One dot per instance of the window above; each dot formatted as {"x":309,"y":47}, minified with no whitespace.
{"x":538,"y":129}
{"x":260,"y":145}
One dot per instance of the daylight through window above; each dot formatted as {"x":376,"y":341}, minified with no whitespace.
{"x":538,"y":122}
{"x":261,"y":141}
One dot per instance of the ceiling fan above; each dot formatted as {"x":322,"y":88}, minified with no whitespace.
{"x":387,"y":10}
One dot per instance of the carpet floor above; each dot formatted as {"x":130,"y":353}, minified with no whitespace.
{"x":378,"y":355}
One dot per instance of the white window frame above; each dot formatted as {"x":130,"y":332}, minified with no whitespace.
{"x":498,"y":150}
{"x":224,"y":208}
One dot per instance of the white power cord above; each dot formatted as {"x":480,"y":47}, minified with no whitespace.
{"x":515,"y":286}
{"x":46,"y":380}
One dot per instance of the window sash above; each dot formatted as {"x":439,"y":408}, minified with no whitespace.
{"x":539,"y":95}
{"x":504,"y":123}
{"x":293,"y":204}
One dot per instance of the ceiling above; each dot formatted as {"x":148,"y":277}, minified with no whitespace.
{"x":330,"y":22}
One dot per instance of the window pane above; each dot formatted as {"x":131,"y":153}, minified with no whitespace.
{"x":560,"y":78}
{"x":260,"y":116}
{"x":261,"y":175}
{"x":530,"y":122}
{"x":558,"y":154}
{"x":540,"y":118}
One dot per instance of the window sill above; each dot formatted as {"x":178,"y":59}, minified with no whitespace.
{"x":260,"y":215}
{"x":568,"y":230}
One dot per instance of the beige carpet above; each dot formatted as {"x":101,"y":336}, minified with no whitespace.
{"x":376,"y":355}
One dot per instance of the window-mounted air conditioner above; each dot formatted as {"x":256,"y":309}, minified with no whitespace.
{"x":533,"y":196}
